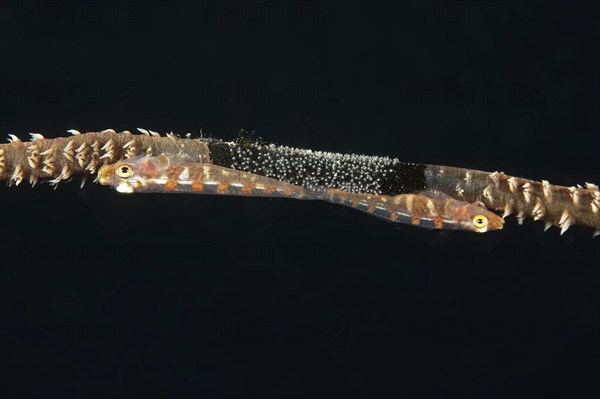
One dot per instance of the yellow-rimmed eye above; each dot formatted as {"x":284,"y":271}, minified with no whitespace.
{"x":480,"y":221}
{"x":124,"y":171}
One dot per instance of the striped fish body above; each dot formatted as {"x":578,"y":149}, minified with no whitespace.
{"x":173,"y":174}
{"x":430,"y":210}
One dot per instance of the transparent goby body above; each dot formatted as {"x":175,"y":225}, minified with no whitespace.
{"x":174,"y":174}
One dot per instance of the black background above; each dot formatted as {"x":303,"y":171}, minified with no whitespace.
{"x":104,"y":294}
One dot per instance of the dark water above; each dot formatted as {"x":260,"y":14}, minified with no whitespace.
{"x":194,"y":296}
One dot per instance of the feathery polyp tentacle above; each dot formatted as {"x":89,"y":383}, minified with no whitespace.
{"x":61,"y":158}
{"x":556,"y":205}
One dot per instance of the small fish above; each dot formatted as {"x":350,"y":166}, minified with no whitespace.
{"x":175,"y":174}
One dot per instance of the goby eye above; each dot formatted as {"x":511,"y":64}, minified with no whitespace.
{"x":124,"y":171}
{"x":480,"y":221}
